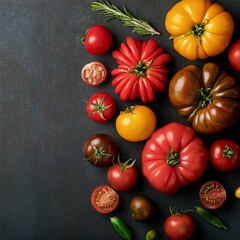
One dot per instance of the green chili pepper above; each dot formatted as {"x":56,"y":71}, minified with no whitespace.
{"x":121,"y":228}
{"x":209,"y":217}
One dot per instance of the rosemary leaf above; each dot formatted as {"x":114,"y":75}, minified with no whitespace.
{"x":141,"y":27}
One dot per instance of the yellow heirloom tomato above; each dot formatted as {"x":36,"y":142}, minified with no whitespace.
{"x":199,"y":28}
{"x":136,"y":123}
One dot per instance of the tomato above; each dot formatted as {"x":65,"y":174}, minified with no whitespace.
{"x":142,"y":208}
{"x":100,"y":150}
{"x":179,"y":227}
{"x":237,"y":192}
{"x":136,"y":123}
{"x":104,"y":199}
{"x":141,"y":70}
{"x":94,"y":73}
{"x":101,"y":107}
{"x":97,"y":40}
{"x":123,"y":176}
{"x":173,"y":157}
{"x":225,"y":155}
{"x":212,"y":195}
{"x":234,"y":55}
{"x":199,"y":30}
{"x":208,"y":97}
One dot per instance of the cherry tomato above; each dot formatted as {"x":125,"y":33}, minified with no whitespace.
{"x":237,"y":192}
{"x":123,"y":176}
{"x":234,"y":55}
{"x":212,"y":195}
{"x":104,"y":199}
{"x":179,"y":227}
{"x":101,"y":107}
{"x":142,"y":208}
{"x":136,"y":123}
{"x":94,"y":73}
{"x":97,"y":39}
{"x":225,"y":155}
{"x":100,"y":150}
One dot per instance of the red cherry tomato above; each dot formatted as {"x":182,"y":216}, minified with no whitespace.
{"x":104,"y":199}
{"x":179,"y":227}
{"x":212,"y":195}
{"x":101,"y":107}
{"x":94,"y":73}
{"x":122,"y":176}
{"x":225,"y":155}
{"x":97,"y":39}
{"x":234,"y":55}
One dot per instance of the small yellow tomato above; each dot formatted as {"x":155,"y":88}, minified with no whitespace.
{"x":237,"y":192}
{"x":136,"y":123}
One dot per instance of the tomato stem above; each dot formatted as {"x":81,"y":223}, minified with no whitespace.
{"x":228,"y":152}
{"x":172,"y":158}
{"x":124,"y":165}
{"x":141,"y":68}
{"x":205,"y":97}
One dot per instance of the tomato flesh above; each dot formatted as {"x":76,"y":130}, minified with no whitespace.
{"x":212,"y":195}
{"x":94,"y":73}
{"x":104,"y":199}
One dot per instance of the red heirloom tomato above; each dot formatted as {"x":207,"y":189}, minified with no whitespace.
{"x":209,"y":98}
{"x":225,"y":155}
{"x":100,"y":150}
{"x":173,"y":157}
{"x":212,"y":195}
{"x":101,"y":107}
{"x":141,"y":71}
{"x":104,"y":199}
{"x":234,"y":55}
{"x":97,"y":40}
{"x":179,"y":226}
{"x":94,"y":73}
{"x":123,"y":176}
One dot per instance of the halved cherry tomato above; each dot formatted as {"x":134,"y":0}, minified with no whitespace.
{"x":212,"y":195}
{"x":101,"y":107}
{"x":94,"y":73}
{"x":97,"y":39}
{"x":104,"y":199}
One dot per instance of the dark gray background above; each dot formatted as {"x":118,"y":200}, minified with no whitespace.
{"x":45,"y":185}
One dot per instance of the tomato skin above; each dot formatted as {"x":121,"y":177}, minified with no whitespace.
{"x":237,"y":192}
{"x":212,"y":195}
{"x":225,"y":155}
{"x":101,"y":107}
{"x":122,"y":176}
{"x":204,"y":29}
{"x":142,"y":208}
{"x":234,"y":55}
{"x":207,"y":97}
{"x":94,"y":73}
{"x":97,"y":40}
{"x":104,"y":199}
{"x":100,"y":150}
{"x":173,"y":157}
{"x":179,"y":227}
{"x":141,"y":70}
{"x":136,"y":123}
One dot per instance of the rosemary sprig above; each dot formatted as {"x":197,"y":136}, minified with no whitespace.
{"x":141,"y":27}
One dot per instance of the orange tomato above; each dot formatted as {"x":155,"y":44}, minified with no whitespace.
{"x":199,"y":28}
{"x":237,"y":192}
{"x":136,"y":123}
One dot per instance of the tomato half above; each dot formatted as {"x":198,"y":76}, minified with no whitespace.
{"x":212,"y":195}
{"x":100,"y":150}
{"x":136,"y":123}
{"x":225,"y":155}
{"x":199,"y":29}
{"x":94,"y":73}
{"x":97,"y":39}
{"x":179,"y":227}
{"x":122,"y":176}
{"x":234,"y":55}
{"x":104,"y":199}
{"x":173,"y":157}
{"x":101,"y":107}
